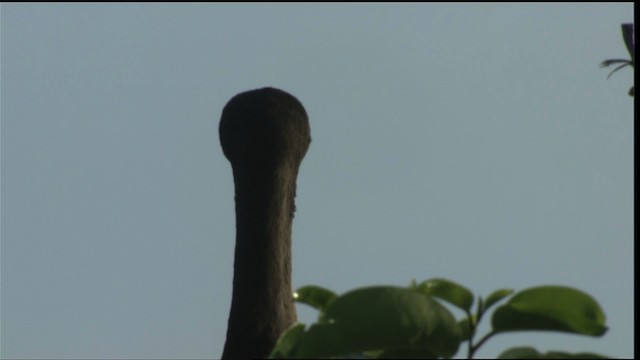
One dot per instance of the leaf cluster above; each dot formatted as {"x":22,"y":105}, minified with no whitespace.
{"x":381,"y":322}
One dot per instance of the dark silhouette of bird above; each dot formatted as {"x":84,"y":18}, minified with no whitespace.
{"x":628,"y":34}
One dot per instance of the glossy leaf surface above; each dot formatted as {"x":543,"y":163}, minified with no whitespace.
{"x":551,"y":308}
{"x":398,"y":321}
{"x":449,"y":291}
{"x":314,"y":296}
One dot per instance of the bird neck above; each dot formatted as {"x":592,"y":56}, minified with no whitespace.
{"x":262,"y":305}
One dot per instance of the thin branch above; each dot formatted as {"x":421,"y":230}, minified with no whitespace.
{"x":482,"y":341}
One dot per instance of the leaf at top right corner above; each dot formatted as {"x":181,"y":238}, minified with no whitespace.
{"x":551,"y":308}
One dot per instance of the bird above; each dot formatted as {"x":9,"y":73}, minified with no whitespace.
{"x":264,"y":134}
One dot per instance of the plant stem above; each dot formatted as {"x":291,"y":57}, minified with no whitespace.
{"x":473,"y":325}
{"x":482,"y":341}
{"x":472,"y":330}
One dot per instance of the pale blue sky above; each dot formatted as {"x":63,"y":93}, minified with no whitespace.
{"x":480,"y":143}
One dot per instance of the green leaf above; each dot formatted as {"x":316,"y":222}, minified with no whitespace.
{"x":449,"y":291}
{"x":523,"y":352}
{"x":405,"y":353}
{"x":496,"y":296}
{"x":396,"y":320}
{"x":551,"y":308}
{"x":526,"y":352}
{"x":565,"y":355}
{"x":465,"y":329}
{"x":288,"y":342}
{"x":314,"y":296}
